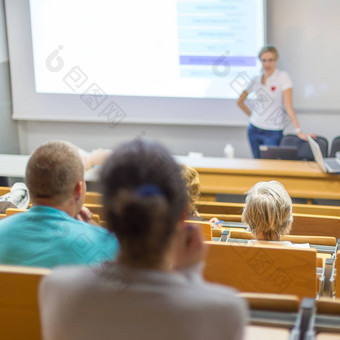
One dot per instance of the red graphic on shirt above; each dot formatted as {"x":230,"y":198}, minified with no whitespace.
{"x":273,"y":88}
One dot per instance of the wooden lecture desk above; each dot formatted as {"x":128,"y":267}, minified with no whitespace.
{"x":230,"y":176}
{"x":236,"y":176}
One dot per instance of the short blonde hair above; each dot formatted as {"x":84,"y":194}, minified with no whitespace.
{"x":192,"y":184}
{"x":269,"y":48}
{"x":53,"y":171}
{"x":268,"y":210}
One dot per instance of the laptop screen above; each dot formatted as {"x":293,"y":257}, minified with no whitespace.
{"x":278,"y":152}
{"x":317,"y":153}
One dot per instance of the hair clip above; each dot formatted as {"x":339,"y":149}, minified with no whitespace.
{"x":149,"y":190}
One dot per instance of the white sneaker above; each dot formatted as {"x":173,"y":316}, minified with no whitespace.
{"x":18,"y":196}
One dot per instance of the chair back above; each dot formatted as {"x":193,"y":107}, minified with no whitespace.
{"x":219,"y":208}
{"x":319,"y":240}
{"x":205,"y":228}
{"x":244,"y":235}
{"x":335,"y":147}
{"x":329,"y":306}
{"x":93,"y":198}
{"x":96,"y":209}
{"x":262,"y":268}
{"x":227,"y":218}
{"x":4,"y":190}
{"x":226,"y":208}
{"x":337,"y":277}
{"x":316,"y":209}
{"x":13,"y":211}
{"x":96,"y":218}
{"x":325,"y":320}
{"x":272,"y":302}
{"x":303,"y":224}
{"x":19,"y":309}
{"x":316,"y":225}
{"x":304,"y":150}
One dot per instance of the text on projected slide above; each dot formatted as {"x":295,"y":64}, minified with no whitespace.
{"x":152,"y":48}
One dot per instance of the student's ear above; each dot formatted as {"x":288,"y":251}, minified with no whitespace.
{"x":180,"y":223}
{"x":79,"y":190}
{"x":184,"y":215}
{"x":190,"y":247}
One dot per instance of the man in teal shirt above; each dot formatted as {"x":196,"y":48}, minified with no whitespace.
{"x":49,"y":234}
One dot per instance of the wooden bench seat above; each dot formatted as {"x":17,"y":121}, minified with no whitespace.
{"x":19,"y":309}
{"x":284,"y":270}
{"x":230,"y":208}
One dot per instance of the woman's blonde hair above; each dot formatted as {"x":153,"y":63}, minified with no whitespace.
{"x":268,"y":210}
{"x":269,"y":48}
{"x":192,"y":183}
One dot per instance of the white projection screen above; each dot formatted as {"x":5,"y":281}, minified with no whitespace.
{"x":167,"y":62}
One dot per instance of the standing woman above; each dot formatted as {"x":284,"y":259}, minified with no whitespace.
{"x":272,"y":99}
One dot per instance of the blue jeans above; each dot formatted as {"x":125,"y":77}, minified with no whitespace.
{"x":259,"y":137}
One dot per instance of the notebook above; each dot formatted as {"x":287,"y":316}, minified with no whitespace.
{"x":278,"y":152}
{"x":330,"y":165}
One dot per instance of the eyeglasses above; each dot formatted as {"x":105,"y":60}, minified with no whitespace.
{"x":267,"y":60}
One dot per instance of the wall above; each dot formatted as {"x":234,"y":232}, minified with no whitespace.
{"x":9,"y":141}
{"x":180,"y":139}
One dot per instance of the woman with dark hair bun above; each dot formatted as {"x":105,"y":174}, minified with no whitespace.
{"x":154,"y":290}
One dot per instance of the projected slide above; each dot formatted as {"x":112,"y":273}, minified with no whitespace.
{"x":168,"y":48}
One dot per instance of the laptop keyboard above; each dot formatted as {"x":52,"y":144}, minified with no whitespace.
{"x":334,"y":163}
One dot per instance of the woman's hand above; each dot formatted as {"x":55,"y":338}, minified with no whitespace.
{"x":241,"y":103}
{"x":99,"y":156}
{"x":303,"y":135}
{"x":214,"y":223}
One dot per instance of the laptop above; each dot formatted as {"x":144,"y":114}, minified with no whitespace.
{"x":278,"y":152}
{"x":330,"y":165}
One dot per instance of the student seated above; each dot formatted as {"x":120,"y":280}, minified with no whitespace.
{"x":192,"y":184}
{"x":93,"y":158}
{"x":48,"y":234}
{"x":154,"y":290}
{"x":18,"y":197}
{"x":268,"y":212}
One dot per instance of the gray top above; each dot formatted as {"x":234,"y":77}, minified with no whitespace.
{"x":116,"y":302}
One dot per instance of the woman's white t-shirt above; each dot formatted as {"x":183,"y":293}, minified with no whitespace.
{"x":266,"y":101}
